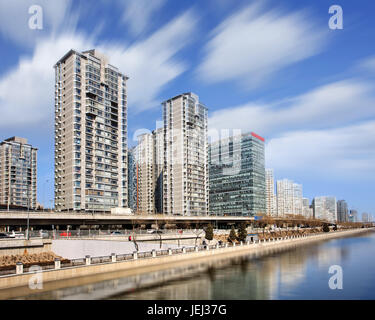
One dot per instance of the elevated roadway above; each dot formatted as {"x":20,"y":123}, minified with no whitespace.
{"x":40,"y":218}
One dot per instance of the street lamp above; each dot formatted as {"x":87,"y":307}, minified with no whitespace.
{"x":28,"y":215}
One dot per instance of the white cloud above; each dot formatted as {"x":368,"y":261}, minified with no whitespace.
{"x":367,"y":64}
{"x":251,"y":45}
{"x":14,"y":19}
{"x":336,"y":104}
{"x":138,"y":13}
{"x":150,"y":64}
{"x":27,"y":90}
{"x":346,"y":153}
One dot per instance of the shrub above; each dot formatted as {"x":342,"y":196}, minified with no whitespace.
{"x":325,"y":228}
{"x":232,"y":234}
{"x":209,"y":232}
{"x":242,"y":232}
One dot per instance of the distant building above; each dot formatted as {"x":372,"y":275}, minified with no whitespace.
{"x":289,"y":198}
{"x":158,"y":145}
{"x":325,"y":208}
{"x":307,"y":210}
{"x":270,"y":193}
{"x":132,"y":179}
{"x":237,"y":176}
{"x":146,"y":182}
{"x":342,"y":211}
{"x":365,"y":217}
{"x":18,"y":173}
{"x":353,"y":216}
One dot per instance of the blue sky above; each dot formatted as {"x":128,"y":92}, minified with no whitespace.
{"x":272,"y":67}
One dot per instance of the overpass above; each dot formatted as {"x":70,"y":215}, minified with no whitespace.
{"x":40,"y":218}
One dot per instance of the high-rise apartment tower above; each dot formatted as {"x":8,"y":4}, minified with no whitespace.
{"x":90,"y":133}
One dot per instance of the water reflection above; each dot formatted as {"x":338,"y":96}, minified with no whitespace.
{"x":299,"y":273}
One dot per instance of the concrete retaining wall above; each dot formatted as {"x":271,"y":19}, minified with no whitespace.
{"x":18,"y":246}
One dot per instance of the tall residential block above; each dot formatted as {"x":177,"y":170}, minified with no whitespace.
{"x":270,"y":193}
{"x":353,"y":216}
{"x":90,"y":133}
{"x":149,"y":160}
{"x":158,"y":144}
{"x":342,"y":211}
{"x":185,"y":176}
{"x":132,"y":179}
{"x":145,"y":174}
{"x":237,"y":176}
{"x":289,"y":198}
{"x":18,"y":173}
{"x":307,"y":210}
{"x":325,"y":208}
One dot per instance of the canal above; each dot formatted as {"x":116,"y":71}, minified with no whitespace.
{"x":299,"y":273}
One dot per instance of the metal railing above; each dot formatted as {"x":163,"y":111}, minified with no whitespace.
{"x":58,"y":264}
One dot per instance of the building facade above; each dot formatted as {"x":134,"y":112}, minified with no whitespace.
{"x":271,"y":204}
{"x":325,"y":208}
{"x":132,"y":179}
{"x":307,"y":210}
{"x":342,"y":211}
{"x":289,"y":198}
{"x":353,"y":216}
{"x":18,"y":173}
{"x":185,"y":174}
{"x":90,"y":133}
{"x":237,"y":176}
{"x":145,"y":174}
{"x":158,"y":141}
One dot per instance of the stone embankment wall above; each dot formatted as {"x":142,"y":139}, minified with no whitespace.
{"x":17,"y":285}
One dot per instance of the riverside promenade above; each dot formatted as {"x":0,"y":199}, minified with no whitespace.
{"x":182,"y":260}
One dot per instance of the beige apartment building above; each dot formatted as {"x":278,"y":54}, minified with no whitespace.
{"x":18,"y":173}
{"x":185,"y":176}
{"x":90,"y":133}
{"x":145,"y":174}
{"x":149,"y":172}
{"x":271,"y":205}
{"x":289,"y":198}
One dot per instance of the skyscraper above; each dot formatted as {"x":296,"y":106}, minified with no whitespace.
{"x":307,"y":210}
{"x":132,"y":179}
{"x":158,"y":140}
{"x":237,"y":176}
{"x":90,"y":133}
{"x":353,"y":216}
{"x":18,"y":173}
{"x":289,"y":198}
{"x":146,"y":179}
{"x":342,"y":211}
{"x":325,"y":208}
{"x":185,"y":176}
{"x":270,"y":193}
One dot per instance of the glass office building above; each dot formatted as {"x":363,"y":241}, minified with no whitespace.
{"x":237,"y":176}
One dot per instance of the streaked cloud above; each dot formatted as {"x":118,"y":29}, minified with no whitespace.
{"x":345,"y":153}
{"x":253,"y":44}
{"x":138,"y":13}
{"x":149,"y":63}
{"x":14,"y":19}
{"x":332,"y":105}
